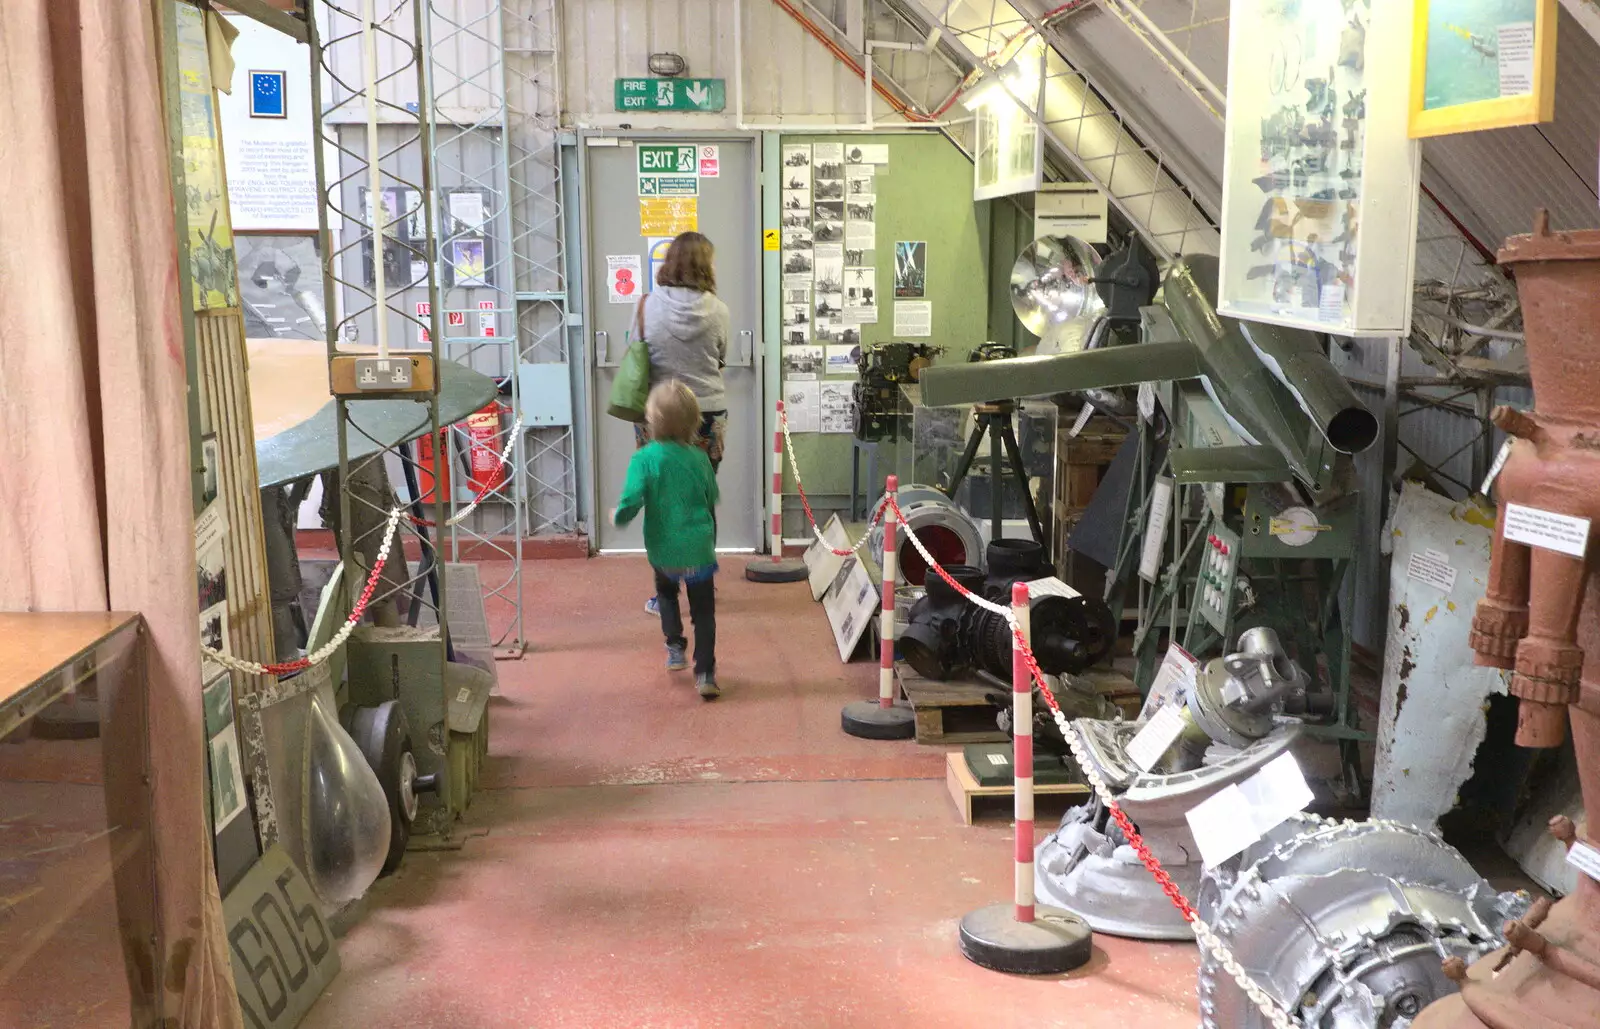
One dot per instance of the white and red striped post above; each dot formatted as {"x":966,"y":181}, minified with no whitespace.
{"x":776,"y":568}
{"x":1019,"y":937}
{"x":1022,"y":754}
{"x":777,"y":485}
{"x":886,"y":623}
{"x":882,"y":718}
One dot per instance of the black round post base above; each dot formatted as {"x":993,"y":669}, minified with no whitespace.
{"x":1055,"y":941}
{"x":867,"y":720}
{"x":789,"y":569}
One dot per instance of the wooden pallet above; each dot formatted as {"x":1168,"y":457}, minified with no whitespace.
{"x":964,"y":789}
{"x":956,"y":711}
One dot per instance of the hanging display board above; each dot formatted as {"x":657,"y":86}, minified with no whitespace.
{"x":1478,"y":64}
{"x":210,"y":240}
{"x":1320,"y":176}
{"x":267,"y":135}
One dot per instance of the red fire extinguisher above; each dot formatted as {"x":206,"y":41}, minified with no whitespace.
{"x":430,"y":465}
{"x":486,"y":472}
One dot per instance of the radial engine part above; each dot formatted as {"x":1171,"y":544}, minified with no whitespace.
{"x":946,"y":634}
{"x":942,"y":527}
{"x":1087,"y":867}
{"x":1345,"y":924}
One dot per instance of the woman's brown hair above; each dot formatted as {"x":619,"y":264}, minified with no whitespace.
{"x":688,"y":263}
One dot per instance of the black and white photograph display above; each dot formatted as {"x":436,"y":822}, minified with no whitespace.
{"x":280,"y":286}
{"x":838,"y":407}
{"x":798,"y":240}
{"x":802,"y":362}
{"x":800,"y":405}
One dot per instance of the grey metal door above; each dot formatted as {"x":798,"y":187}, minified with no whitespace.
{"x":729,"y":214}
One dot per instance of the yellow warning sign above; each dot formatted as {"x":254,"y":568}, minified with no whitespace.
{"x":668,"y":216}
{"x":769,"y":239}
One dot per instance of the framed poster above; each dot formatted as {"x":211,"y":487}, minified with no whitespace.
{"x":1320,"y":176}
{"x":1482,"y":64}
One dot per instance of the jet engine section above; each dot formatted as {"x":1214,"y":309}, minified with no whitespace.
{"x":1346,"y":924}
{"x":947,"y":635}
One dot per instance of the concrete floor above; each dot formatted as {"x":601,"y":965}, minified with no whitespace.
{"x":641,"y":858}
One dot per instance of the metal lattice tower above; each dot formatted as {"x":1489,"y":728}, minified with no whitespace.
{"x":467,"y":111}
{"x":531,"y":67}
{"x":368,"y":466}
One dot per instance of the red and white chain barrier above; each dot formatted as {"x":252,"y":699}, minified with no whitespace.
{"x":327,"y":650}
{"x":1025,"y":675}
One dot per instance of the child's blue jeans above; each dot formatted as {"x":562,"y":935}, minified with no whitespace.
{"x":700,"y":584}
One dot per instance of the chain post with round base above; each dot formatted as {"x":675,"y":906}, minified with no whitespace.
{"x":1021,"y":937}
{"x":778,"y":568}
{"x":883,"y":719}
{"x":995,"y":419}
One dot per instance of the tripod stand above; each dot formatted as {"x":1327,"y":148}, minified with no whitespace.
{"x":995,"y":420}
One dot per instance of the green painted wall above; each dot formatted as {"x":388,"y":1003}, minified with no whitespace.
{"x":923,"y":193}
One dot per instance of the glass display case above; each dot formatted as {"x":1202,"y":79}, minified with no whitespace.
{"x":1320,"y":177}
{"x":939,"y":437}
{"x":77,"y":927}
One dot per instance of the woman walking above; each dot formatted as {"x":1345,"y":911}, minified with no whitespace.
{"x":686,"y":326}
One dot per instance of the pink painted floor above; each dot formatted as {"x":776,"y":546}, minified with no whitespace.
{"x":640,"y":858}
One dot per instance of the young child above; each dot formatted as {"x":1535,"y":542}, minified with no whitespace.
{"x":671,"y":479}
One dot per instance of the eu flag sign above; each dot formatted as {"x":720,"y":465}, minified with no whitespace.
{"x":266,"y":95}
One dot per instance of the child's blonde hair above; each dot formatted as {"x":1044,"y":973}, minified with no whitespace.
{"x":672,"y":412}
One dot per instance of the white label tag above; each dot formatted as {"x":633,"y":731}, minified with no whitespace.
{"x":1432,"y":568}
{"x":1585,"y":859}
{"x":998,"y":759}
{"x":1147,"y":401}
{"x":1234,"y":818}
{"x":1155,"y":532}
{"x":1175,"y":675}
{"x":1222,"y":825}
{"x":1084,"y":414}
{"x":1146,"y":748}
{"x":1546,"y":529}
{"x":463,"y":695}
{"x":1494,"y":469}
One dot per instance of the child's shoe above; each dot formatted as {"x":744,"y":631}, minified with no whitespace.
{"x":706,"y":684}
{"x":653,"y":606}
{"x":677,"y":658}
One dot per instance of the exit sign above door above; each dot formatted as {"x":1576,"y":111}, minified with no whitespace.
{"x":671,"y":94}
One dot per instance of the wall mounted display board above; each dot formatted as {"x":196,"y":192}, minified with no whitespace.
{"x":1482,"y":64}
{"x":272,"y":177}
{"x":210,"y":240}
{"x":1010,"y":155}
{"x":1320,"y":177}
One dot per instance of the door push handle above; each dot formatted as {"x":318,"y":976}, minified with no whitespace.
{"x":747,"y":338}
{"x":602,"y":347}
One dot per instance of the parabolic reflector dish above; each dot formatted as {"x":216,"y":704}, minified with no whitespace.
{"x":1052,"y":294}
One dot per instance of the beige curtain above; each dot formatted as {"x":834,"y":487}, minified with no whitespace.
{"x":95,"y":506}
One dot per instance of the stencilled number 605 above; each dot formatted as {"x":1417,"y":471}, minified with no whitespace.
{"x":276,"y":974}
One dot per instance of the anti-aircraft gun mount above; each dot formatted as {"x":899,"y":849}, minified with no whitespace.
{"x":1239,"y":510}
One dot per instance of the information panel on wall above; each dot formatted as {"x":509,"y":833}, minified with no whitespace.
{"x":1320,"y":178}
{"x":267,"y":133}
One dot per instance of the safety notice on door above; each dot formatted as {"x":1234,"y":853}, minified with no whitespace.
{"x":668,"y":216}
{"x":710,"y":162}
{"x":625,"y":274}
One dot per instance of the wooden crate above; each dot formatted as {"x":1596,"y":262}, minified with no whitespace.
{"x":964,"y":789}
{"x":1081,"y":462}
{"x":956,"y":711}
{"x":1118,"y":688}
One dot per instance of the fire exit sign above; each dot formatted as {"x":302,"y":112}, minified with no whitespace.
{"x":671,"y":94}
